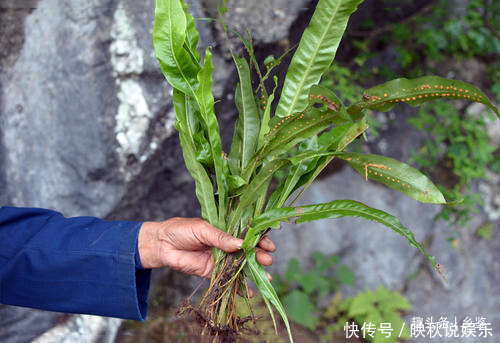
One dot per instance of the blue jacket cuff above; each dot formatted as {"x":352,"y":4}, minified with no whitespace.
{"x":79,"y":265}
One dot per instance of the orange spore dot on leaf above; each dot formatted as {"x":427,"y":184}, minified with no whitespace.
{"x":408,"y":99}
{"x":385,"y":95}
{"x":414,"y":98}
{"x":435,"y":86}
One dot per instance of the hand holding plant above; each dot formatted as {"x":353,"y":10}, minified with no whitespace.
{"x":185,"y":244}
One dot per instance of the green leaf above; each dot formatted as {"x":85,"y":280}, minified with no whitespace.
{"x":246,"y":131}
{"x":346,"y":275}
{"x":264,"y":127}
{"x":296,"y":171}
{"x":334,"y":209}
{"x":234,"y":182}
{"x":316,"y":51}
{"x":192,"y":35}
{"x":395,"y":174}
{"x":205,"y":100}
{"x":337,"y":139}
{"x":287,"y":132}
{"x":293,"y":270}
{"x":169,"y":36}
{"x":259,"y":276}
{"x":418,"y":91}
{"x":363,"y":304}
{"x":253,"y":191}
{"x":300,"y":309}
{"x":204,"y":186}
{"x":312,"y":282}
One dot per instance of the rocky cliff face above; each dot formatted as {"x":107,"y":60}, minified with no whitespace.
{"x":86,"y":128}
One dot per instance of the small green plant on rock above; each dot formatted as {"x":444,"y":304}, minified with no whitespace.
{"x":309,"y":128}
{"x":302,"y":291}
{"x":368,"y":310}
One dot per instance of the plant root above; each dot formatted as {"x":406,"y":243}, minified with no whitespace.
{"x":216,"y":314}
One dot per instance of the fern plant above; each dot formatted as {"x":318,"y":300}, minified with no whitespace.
{"x":310,"y":127}
{"x":369,"y":309}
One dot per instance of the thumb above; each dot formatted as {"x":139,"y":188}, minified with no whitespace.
{"x":214,"y":237}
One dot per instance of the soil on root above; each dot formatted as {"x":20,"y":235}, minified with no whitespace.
{"x":220,"y":302}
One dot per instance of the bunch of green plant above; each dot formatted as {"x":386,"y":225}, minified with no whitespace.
{"x":309,"y":128}
{"x":302,"y":292}
{"x":375,"y":308}
{"x":459,"y":141}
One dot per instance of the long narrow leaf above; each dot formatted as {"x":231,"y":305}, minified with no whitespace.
{"x":206,"y":103}
{"x":418,"y":91}
{"x":395,"y":174}
{"x":259,"y":276}
{"x":169,"y":36}
{"x":334,"y":209}
{"x":266,"y":116}
{"x":316,"y":51}
{"x":204,"y":186}
{"x":246,"y":131}
{"x":192,"y":34}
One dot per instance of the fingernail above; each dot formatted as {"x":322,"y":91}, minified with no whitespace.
{"x":239,"y":244}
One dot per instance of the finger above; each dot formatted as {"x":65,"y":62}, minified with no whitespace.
{"x":267,"y":244}
{"x":263,"y":257}
{"x":213,"y":237}
{"x":250,"y":293}
{"x":269,"y":276}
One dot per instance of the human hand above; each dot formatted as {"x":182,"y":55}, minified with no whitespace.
{"x":185,"y":244}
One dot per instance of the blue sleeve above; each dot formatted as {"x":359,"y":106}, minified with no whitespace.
{"x":78,"y":265}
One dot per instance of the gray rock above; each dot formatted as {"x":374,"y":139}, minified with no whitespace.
{"x":84,"y":113}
